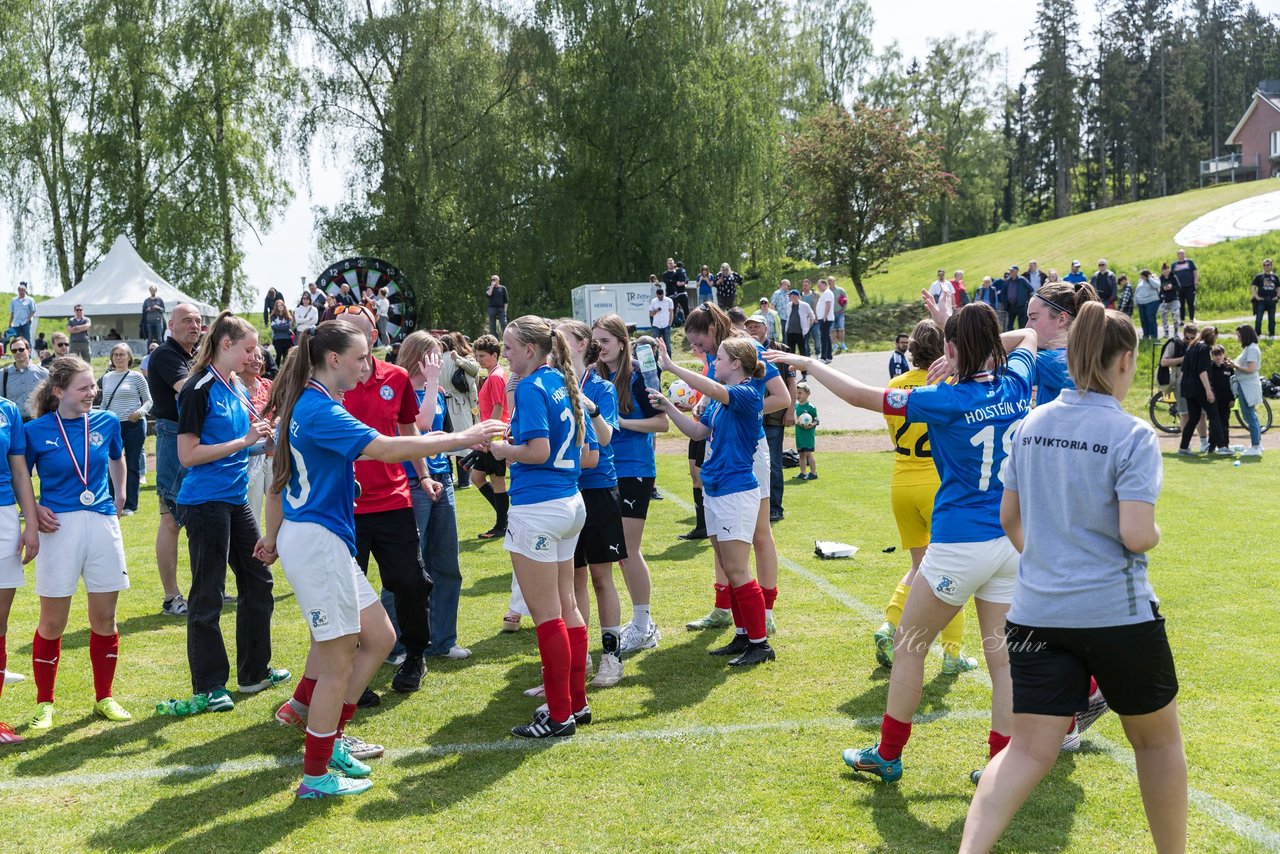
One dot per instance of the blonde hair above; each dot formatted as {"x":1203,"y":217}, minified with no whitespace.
{"x":61,"y":373}
{"x":1097,"y":338}
{"x":414,"y":347}
{"x":743,"y":350}
{"x":227,"y":325}
{"x":550,"y":343}
{"x":580,"y":330}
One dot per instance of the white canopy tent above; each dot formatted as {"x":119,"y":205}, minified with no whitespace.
{"x":112,"y":294}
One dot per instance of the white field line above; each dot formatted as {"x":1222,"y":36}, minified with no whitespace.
{"x":1234,"y":820}
{"x":586,"y":740}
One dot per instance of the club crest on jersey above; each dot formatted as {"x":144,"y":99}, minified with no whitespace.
{"x":945,"y":585}
{"x":541,"y":543}
{"x":96,"y":439}
{"x":386,"y":393}
{"x":896,"y":398}
{"x":319,"y":618}
{"x":4,"y":422}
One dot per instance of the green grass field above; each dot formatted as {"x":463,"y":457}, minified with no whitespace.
{"x":684,"y":753}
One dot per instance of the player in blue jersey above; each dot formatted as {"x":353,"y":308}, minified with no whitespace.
{"x":636,"y":469}
{"x":18,"y":543}
{"x":709,"y":326}
{"x":602,"y":541}
{"x":217,"y":431}
{"x":730,"y":424}
{"x":543,"y":452}
{"x":1050,"y":313}
{"x":75,"y":451}
{"x":971,"y":427}
{"x":310,"y":526}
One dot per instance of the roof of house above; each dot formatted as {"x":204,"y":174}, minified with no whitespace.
{"x":1268,"y":93}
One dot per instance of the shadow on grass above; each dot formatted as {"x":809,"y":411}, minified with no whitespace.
{"x":871,"y":703}
{"x":136,"y":737}
{"x":495,"y":582}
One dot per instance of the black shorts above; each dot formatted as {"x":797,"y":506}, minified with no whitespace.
{"x":601,"y":540}
{"x":634,"y":494}
{"x":1050,"y":668}
{"x":698,"y":451}
{"x":487,"y":463}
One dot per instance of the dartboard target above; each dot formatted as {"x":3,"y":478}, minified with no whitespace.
{"x":361,"y":273}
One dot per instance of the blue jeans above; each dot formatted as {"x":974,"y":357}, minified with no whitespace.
{"x":1147,"y":314}
{"x":665,"y":334}
{"x":1249,"y":415}
{"x":773,"y":434}
{"x":24,"y":331}
{"x":169,"y":472}
{"x":438,"y":537}
{"x":154,"y":331}
{"x":824,"y":336}
{"x":134,"y":434}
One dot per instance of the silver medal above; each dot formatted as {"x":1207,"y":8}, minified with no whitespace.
{"x":86,"y":497}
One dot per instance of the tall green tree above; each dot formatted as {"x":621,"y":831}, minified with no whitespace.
{"x":1055,"y":106}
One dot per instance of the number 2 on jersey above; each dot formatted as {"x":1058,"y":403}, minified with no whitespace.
{"x":986,"y":437}
{"x":560,"y":462}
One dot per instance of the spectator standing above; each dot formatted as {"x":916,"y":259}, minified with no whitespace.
{"x":39,"y":344}
{"x":661,"y":314}
{"x":1170,"y":305}
{"x":496,"y":294}
{"x":810,"y":298}
{"x":344,"y":295}
{"x":772,"y":323}
{"x":938,"y":285}
{"x":1248,"y":386}
{"x":61,"y":347}
{"x":384,"y":311}
{"x":1266,"y":287}
{"x":1034,"y":276}
{"x":258,"y":387}
{"x":1075,"y":277}
{"x":124,"y":391}
{"x":727,"y":284}
{"x":1197,"y":390}
{"x":826,"y":314}
{"x":78,"y":329}
{"x":962,"y":294}
{"x":459,"y":375}
{"x":281,"y":330}
{"x":21,"y":309}
{"x":1017,"y":295}
{"x":837,"y":328}
{"x":489,"y":474}
{"x":797,"y":322}
{"x":986,"y":292}
{"x":318,"y":299}
{"x":153,"y":317}
{"x":307,"y":316}
{"x":167,"y":370}
{"x":781,"y":299}
{"x":1147,"y":296}
{"x":675,"y":282}
{"x":1184,"y":270}
{"x":18,"y":380}
{"x":1104,"y":283}
{"x":269,"y":305}
{"x":1124,"y":301}
{"x":706,"y":285}
{"x":898,"y":363}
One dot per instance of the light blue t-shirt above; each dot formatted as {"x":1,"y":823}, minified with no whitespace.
{"x":60,"y":486}
{"x":732,"y":444}
{"x":324,"y":441}
{"x":543,"y":411}
{"x":439,"y":464}
{"x":971,"y":428}
{"x":1071,"y":463}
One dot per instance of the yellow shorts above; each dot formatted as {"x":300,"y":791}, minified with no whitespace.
{"x":913,"y":510}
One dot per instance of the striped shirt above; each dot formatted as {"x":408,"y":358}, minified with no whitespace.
{"x":126,"y":392}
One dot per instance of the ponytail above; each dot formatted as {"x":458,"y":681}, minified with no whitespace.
{"x":562,"y":360}
{"x":1098,"y":337}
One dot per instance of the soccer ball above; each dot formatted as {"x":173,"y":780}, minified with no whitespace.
{"x":680,"y":392}
{"x":805,"y":420}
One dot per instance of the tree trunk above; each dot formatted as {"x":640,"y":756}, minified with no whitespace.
{"x":224,"y":198}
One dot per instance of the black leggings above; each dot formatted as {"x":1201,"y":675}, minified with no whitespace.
{"x":282,"y":346}
{"x":1188,"y":297}
{"x":1217,"y":430}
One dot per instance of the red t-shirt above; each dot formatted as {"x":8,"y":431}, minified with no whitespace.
{"x":494,"y":393}
{"x":384,"y":402}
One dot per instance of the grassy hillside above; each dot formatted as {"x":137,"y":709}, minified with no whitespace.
{"x":1129,"y":236}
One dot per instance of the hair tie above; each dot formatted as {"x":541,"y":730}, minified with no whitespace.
{"x":1054,"y":304}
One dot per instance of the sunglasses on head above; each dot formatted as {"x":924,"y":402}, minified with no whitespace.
{"x":357,"y":309}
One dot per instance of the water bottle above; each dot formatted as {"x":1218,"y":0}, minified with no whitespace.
{"x":648,"y":367}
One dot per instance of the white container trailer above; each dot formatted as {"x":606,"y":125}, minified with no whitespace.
{"x":630,"y":300}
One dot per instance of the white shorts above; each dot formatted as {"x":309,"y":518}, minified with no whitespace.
{"x":984,"y":570}
{"x":88,"y":545}
{"x":732,"y":516}
{"x":327,"y":582}
{"x":547,"y":531}
{"x":11,"y":575}
{"x":760,"y":468}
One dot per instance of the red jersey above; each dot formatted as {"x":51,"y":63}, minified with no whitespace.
{"x":494,"y":393}
{"x":384,"y":402}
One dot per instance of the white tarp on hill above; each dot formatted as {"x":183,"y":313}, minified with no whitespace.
{"x":112,"y":295}
{"x":1245,"y":218}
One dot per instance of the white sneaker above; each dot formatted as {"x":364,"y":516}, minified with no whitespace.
{"x":396,"y":660}
{"x":175,"y":607}
{"x":634,"y":639}
{"x":457,"y":653}
{"x":1224,"y":452}
{"x":610,"y":672}
{"x":1255,"y":451}
{"x":11,"y":678}
{"x":536,"y":691}
{"x":1204,"y":446}
{"x":1071,"y":741}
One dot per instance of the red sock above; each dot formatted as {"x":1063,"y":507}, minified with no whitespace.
{"x":996,"y":743}
{"x":578,"y":667}
{"x":302,"y":693}
{"x":557,"y":662}
{"x":44,"y":665}
{"x":348,"y":712}
{"x":751,"y":605}
{"x":1093,"y":686}
{"x":316,"y":753}
{"x":104,"y":651}
{"x":770,"y":596}
{"x":736,"y":610}
{"x":4,"y":662}
{"x":723,"y":600}
{"x":894,"y":735}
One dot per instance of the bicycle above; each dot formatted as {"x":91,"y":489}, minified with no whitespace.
{"x":1162,"y":409}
